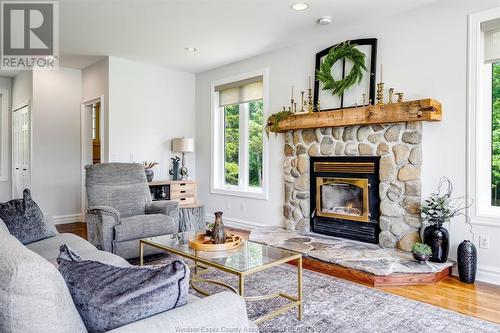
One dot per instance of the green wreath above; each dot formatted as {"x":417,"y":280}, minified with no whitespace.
{"x":342,"y":51}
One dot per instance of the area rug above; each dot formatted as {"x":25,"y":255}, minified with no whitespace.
{"x":336,"y":305}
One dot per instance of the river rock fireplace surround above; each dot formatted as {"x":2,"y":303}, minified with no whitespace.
{"x":380,"y":207}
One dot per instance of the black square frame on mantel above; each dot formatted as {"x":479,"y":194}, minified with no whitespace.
{"x":368,"y":87}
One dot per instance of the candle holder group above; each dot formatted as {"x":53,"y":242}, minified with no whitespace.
{"x":306,"y":105}
{"x":380,"y":91}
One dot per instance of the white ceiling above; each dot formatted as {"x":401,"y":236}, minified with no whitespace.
{"x":223,"y":31}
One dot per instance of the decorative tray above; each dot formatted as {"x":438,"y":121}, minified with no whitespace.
{"x":199,"y":243}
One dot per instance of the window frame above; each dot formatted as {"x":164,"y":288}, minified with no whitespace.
{"x":479,"y":126}
{"x":217,"y":182}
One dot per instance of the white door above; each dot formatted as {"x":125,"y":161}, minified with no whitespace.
{"x":21,"y":152}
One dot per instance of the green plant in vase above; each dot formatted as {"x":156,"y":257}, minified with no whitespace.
{"x":209,"y":228}
{"x":438,"y":209}
{"x":421,"y":252}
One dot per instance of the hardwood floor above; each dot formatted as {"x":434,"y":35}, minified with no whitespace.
{"x":481,"y":300}
{"x":79,"y":229}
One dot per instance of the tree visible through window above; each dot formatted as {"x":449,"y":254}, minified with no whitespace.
{"x":232,"y":142}
{"x":495,"y":138}
{"x":255,"y":129}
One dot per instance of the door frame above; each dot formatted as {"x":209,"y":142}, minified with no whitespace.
{"x":30,"y":121}
{"x":84,"y":108}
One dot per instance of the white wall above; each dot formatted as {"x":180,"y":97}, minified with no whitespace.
{"x":148,"y":106}
{"x":424,"y":55}
{"x":22,"y":88}
{"x":95,"y":84}
{"x":56,"y":142}
{"x":5,"y":186}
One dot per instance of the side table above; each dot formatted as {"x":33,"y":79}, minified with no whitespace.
{"x":192,"y":217}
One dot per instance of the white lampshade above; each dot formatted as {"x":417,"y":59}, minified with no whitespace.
{"x":183,"y":145}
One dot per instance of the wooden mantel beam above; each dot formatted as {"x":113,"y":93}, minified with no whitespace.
{"x":420,"y":110}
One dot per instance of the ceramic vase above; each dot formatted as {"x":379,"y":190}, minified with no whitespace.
{"x":149,"y":174}
{"x":467,"y":261}
{"x":175,"y":171}
{"x":438,"y":238}
{"x":420,"y":258}
{"x":218,"y":232}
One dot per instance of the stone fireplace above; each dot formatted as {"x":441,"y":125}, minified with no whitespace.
{"x":397,"y":147}
{"x":344,"y":196}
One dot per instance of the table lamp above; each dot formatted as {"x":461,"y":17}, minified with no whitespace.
{"x":183,"y":145}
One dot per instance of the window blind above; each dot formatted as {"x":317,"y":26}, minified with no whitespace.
{"x":240,"y":91}
{"x":491,"y":30}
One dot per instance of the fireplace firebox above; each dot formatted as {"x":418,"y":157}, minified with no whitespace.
{"x":345,"y":198}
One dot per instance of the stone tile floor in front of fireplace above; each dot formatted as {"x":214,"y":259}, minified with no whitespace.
{"x":365,"y":257}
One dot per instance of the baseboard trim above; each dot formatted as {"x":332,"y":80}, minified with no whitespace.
{"x":70,"y":218}
{"x":237,"y":223}
{"x":488,"y":274}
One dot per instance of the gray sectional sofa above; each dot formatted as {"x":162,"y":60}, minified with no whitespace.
{"x":34,"y":297}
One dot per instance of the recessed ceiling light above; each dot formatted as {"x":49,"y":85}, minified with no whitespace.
{"x":190,"y":49}
{"x":300,"y":6}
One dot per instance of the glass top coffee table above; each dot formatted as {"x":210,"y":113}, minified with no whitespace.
{"x":245,"y":260}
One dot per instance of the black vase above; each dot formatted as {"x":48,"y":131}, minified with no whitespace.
{"x":467,"y":261}
{"x":438,"y":238}
{"x":149,"y":174}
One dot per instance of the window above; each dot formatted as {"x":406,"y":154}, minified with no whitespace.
{"x":483,"y":178}
{"x":239,"y":142}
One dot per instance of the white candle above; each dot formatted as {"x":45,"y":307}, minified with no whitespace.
{"x":292,"y":90}
{"x":309,"y":81}
{"x":381,"y":73}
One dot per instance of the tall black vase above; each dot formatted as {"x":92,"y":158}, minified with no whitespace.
{"x":467,"y":261}
{"x":438,"y":238}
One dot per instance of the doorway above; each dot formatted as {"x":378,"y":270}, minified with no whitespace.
{"x":92,"y":138}
{"x":21,"y":150}
{"x":96,"y":133}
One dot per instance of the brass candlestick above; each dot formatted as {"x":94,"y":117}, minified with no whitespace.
{"x":310,"y":106}
{"x":400,"y":96}
{"x":302,"y":101}
{"x":380,"y":93}
{"x":391,"y":92}
{"x":292,"y":102}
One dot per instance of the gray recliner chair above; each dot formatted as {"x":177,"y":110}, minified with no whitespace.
{"x":120,"y":210}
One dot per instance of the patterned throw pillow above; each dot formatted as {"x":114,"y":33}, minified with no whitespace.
{"x":108,"y":297}
{"x":24,"y":219}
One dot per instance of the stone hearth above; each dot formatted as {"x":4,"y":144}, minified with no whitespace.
{"x":399,"y":146}
{"x":365,"y":257}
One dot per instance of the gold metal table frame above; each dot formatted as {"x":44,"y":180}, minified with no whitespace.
{"x":199,"y":262}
